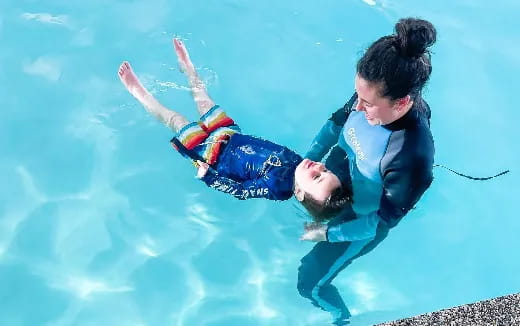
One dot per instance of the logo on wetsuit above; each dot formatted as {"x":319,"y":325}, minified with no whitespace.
{"x":245,"y":193}
{"x":355,"y":142}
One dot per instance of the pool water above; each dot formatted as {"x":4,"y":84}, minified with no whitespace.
{"x":102,"y":223}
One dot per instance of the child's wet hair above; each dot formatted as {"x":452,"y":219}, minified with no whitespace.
{"x":323,"y":211}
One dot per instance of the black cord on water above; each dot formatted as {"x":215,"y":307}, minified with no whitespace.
{"x":470,"y":177}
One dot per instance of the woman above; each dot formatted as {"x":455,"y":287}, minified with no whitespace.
{"x":384,"y":131}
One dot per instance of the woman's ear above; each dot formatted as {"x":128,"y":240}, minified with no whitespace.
{"x":402,"y":103}
{"x":298,"y":193}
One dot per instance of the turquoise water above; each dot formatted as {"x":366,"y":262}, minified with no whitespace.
{"x":102,"y":223}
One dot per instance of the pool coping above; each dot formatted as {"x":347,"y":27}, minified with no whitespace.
{"x":504,"y":310}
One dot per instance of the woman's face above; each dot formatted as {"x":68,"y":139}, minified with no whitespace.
{"x":378,"y":110}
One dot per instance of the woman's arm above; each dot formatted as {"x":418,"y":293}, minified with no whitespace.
{"x":329,"y":134}
{"x":402,"y":188}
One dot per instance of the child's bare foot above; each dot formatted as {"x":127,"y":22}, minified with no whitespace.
{"x":131,"y":82}
{"x":184,"y":58}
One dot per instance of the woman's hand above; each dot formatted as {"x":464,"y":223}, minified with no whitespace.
{"x":314,"y":232}
{"x":202,"y":168}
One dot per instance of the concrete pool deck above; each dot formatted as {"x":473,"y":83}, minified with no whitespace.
{"x":498,"y":311}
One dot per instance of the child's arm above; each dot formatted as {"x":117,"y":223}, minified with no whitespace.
{"x":255,"y":188}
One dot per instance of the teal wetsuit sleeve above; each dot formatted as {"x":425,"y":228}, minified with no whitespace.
{"x":403,"y":186}
{"x":255,"y":188}
{"x":401,"y":191}
{"x":324,"y":140}
{"x":363,"y":227}
{"x":329,"y":134}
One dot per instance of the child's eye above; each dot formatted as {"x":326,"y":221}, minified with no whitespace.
{"x":316,"y":177}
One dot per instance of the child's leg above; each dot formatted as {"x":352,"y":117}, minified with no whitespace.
{"x":172,"y":119}
{"x":200,"y":95}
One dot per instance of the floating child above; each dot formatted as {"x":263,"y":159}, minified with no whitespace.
{"x":235,"y":163}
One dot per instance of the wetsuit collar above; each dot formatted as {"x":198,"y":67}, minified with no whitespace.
{"x":407,"y":120}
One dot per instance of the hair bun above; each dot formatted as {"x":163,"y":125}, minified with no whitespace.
{"x":414,"y":36}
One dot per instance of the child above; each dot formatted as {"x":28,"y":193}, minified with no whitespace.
{"x":240,"y":165}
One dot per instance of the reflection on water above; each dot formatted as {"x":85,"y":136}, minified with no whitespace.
{"x":101,"y":223}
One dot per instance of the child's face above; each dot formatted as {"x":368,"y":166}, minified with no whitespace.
{"x":314,"y":179}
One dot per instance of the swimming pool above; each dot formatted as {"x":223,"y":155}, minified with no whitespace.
{"x":102,"y":223}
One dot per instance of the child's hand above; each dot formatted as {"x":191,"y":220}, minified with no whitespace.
{"x":202,"y":169}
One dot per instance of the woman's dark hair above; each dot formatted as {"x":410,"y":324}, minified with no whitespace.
{"x":322,"y":211}
{"x":400,"y":63}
